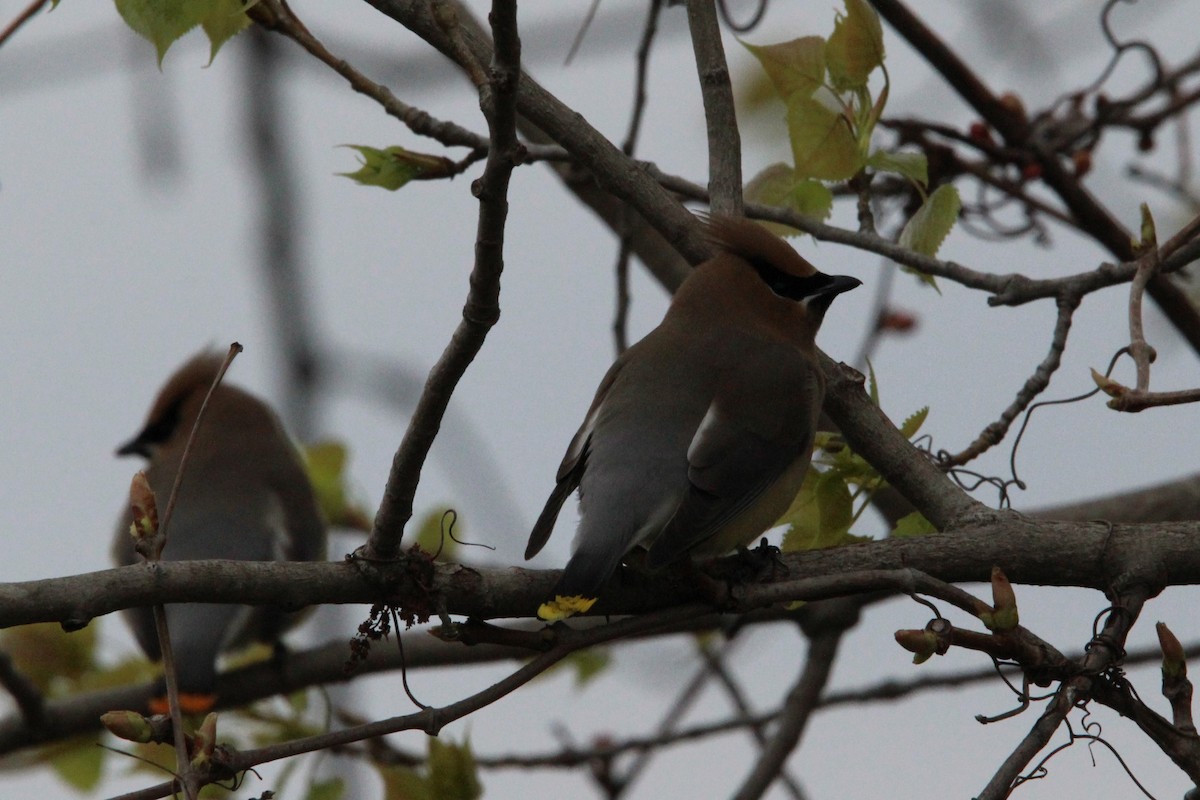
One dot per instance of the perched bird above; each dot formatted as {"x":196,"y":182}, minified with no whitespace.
{"x":700,"y":434}
{"x":245,"y":495}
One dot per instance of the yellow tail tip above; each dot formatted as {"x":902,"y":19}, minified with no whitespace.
{"x":563,"y":606}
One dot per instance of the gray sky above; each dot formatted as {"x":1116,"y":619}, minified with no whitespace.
{"x":128,"y":211}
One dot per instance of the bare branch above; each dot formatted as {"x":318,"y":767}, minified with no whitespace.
{"x":794,"y":715}
{"x":994,"y":433}
{"x":497,"y":95}
{"x":29,"y":12}
{"x":724,"y":141}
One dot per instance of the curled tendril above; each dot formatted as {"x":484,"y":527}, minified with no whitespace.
{"x":449,"y":520}
{"x":760,"y":9}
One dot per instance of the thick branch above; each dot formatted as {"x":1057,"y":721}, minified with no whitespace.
{"x":1048,"y":553}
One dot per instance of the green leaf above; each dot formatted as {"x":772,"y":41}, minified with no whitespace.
{"x":821,"y":514}
{"x":328,"y":789}
{"x":79,"y":762}
{"x":325,"y":462}
{"x":855,"y":48}
{"x":812,"y":199}
{"x":914,"y":422}
{"x":226,"y":20}
{"x":823,"y":145}
{"x":913,"y":166}
{"x":872,"y":384}
{"x":405,"y":783}
{"x":453,"y":774}
{"x":796,"y":67}
{"x":392,"y":167}
{"x":164,"y":22}
{"x":588,"y":664}
{"x":51,"y":658}
{"x":778,"y":186}
{"x":929,"y":227}
{"x":913,"y":524}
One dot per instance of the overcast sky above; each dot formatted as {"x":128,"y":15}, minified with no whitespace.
{"x":128,"y":213}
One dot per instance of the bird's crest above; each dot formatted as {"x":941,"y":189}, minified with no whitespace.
{"x":747,"y":239}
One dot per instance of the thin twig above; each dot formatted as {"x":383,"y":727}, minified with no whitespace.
{"x":434,"y":719}
{"x":994,"y":433}
{"x":684,"y":700}
{"x":277,"y":16}
{"x":628,"y":147}
{"x":30,"y":11}
{"x":185,"y":774}
{"x":165,"y":517}
{"x":794,"y":715}
{"x":715,"y":661}
{"x":724,"y":141}
{"x":1039,"y":735}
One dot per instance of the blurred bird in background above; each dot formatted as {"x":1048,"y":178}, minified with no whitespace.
{"x":245,"y":496}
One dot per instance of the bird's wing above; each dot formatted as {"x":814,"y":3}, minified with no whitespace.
{"x":761,"y":420}
{"x":570,"y":471}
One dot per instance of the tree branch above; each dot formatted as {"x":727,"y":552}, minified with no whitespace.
{"x":497,"y":96}
{"x":724,"y":142}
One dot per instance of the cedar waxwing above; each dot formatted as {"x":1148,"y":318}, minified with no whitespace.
{"x":700,"y":434}
{"x":245,"y":495}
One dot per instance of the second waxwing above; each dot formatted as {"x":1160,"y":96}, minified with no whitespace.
{"x":700,"y":434}
{"x":245,"y":496}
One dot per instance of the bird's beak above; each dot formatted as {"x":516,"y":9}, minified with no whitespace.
{"x":134,"y":447}
{"x":837,"y":285}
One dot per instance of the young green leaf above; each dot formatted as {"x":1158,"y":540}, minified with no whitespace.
{"x":164,"y":22}
{"x":404,"y":783}
{"x":392,"y":167}
{"x":328,"y":789}
{"x":820,"y":515}
{"x":225,"y":20}
{"x":872,"y":384}
{"x":79,"y":762}
{"x":778,"y":186}
{"x":795,"y":68}
{"x":855,"y":48}
{"x":325,"y":463}
{"x":914,"y":422}
{"x":823,"y":145}
{"x":929,"y":227}
{"x":588,"y":663}
{"x":453,"y":774}
{"x":161,"y":21}
{"x":913,"y":524}
{"x":913,"y":166}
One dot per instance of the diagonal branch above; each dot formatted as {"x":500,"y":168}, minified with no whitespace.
{"x":994,"y":433}
{"x":497,"y":94}
{"x":793,"y":718}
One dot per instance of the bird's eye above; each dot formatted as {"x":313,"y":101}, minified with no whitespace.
{"x":785,"y":284}
{"x":159,"y":429}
